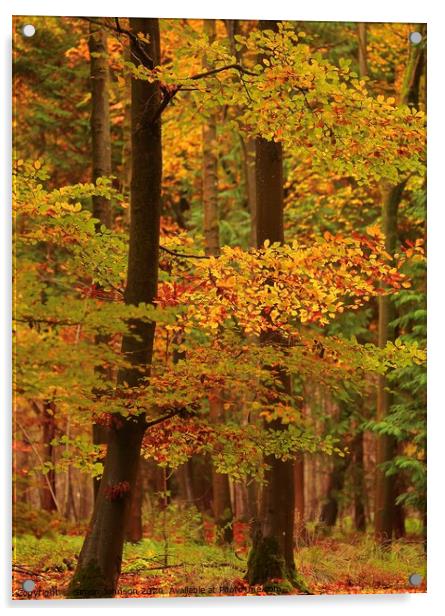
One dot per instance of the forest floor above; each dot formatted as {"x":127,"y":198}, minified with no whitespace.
{"x":339,"y":564}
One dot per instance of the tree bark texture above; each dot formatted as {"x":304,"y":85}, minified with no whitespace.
{"x":134,"y":529}
{"x":272,"y":553}
{"x":210,"y":170}
{"x":101,"y":165}
{"x":362,"y":49}
{"x":100,"y":118}
{"x":99,"y":564}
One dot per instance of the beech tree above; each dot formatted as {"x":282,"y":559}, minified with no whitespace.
{"x":101,"y":157}
{"x":272,"y":554}
{"x":99,"y":564}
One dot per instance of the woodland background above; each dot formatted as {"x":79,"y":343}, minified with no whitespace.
{"x":268,"y":434}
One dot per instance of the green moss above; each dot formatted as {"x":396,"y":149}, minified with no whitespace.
{"x":266,"y":566}
{"x":298,"y":582}
{"x":89,"y":583}
{"x":265,"y":562}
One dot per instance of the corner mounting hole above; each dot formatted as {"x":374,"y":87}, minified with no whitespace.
{"x":28,"y":585}
{"x":28,"y":30}
{"x":415,"y":38}
{"x":415,"y":579}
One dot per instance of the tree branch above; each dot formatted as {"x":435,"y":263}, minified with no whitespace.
{"x":214,"y":71}
{"x":119,"y":30}
{"x":181,"y":255}
{"x":159,"y":420}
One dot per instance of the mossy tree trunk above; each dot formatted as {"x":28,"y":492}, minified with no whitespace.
{"x":271,"y":560}
{"x":99,"y":563}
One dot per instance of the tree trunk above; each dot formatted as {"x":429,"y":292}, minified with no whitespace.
{"x":241,"y":503}
{"x":134,"y":530}
{"x":272,"y":553}
{"x":362,"y":51}
{"x":330,"y":509}
{"x":384,"y":499}
{"x":248,"y":147}
{"x":101,"y":163}
{"x":299,"y":498}
{"x":210,"y":170}
{"x":100,"y":118}
{"x":391,"y":198}
{"x":247,"y":144}
{"x":358,"y":477}
{"x":222,"y":507}
{"x":48,"y":488}
{"x":185,"y":485}
{"x":99,"y":562}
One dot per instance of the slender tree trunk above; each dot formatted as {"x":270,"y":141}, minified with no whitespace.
{"x":210,"y":170}
{"x":126,"y":138}
{"x":358,"y":473}
{"x":386,"y":444}
{"x":101,"y":163}
{"x":358,"y":482}
{"x":384,"y":499}
{"x":185,"y":486}
{"x":330,"y":509}
{"x":272,"y":553}
{"x":241,"y":504}
{"x":48,"y":488}
{"x":70,"y":503}
{"x":100,"y":118}
{"x":222,"y":507}
{"x":248,"y":147}
{"x":362,"y":49}
{"x":399,"y":509}
{"x":250,"y":489}
{"x":100,"y":560}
